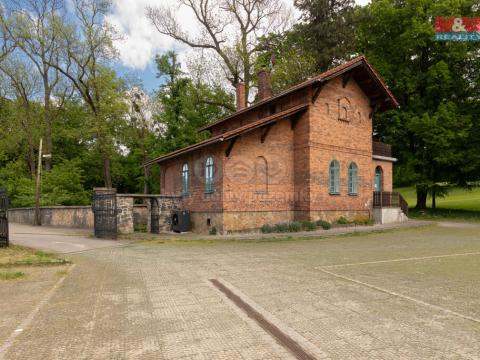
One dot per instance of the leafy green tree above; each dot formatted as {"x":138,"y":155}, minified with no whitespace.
{"x":86,"y":47}
{"x":292,"y":62}
{"x":326,"y":30}
{"x":186,"y":105}
{"x":324,"y":37}
{"x":433,"y":132}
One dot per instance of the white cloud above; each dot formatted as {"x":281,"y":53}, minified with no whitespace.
{"x":140,"y":40}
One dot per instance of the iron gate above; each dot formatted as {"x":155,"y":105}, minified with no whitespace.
{"x":105,"y":214}
{"x":154,"y":216}
{"x":3,"y":218}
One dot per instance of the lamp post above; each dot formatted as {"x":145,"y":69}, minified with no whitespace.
{"x":38,"y":189}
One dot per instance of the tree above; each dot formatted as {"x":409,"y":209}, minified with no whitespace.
{"x":186,"y":105}
{"x":292,"y":62}
{"x":326,"y":30}
{"x":433,"y":131}
{"x":229,"y":28}
{"x":30,"y":26}
{"x":141,"y":127}
{"x":23,"y":86}
{"x":86,"y":46}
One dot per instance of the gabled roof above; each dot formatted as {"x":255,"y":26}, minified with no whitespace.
{"x":229,"y":135}
{"x":362,"y":72}
{"x":380,"y":97}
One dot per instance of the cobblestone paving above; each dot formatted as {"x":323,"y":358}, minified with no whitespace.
{"x":154,"y":301}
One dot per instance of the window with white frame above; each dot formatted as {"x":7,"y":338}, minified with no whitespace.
{"x":352,"y":179}
{"x":334,"y":180}
{"x":209,"y":174}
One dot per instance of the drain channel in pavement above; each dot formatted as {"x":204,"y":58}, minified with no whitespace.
{"x":282,"y":338}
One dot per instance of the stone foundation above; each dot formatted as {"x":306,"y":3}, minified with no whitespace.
{"x":204,"y":222}
{"x":249,"y":221}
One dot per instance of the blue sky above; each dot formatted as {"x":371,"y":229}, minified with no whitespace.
{"x":141,"y":41}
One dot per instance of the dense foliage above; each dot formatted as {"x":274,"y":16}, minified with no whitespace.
{"x":435,"y":131}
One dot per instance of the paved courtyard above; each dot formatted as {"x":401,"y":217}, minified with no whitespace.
{"x":400,"y":294}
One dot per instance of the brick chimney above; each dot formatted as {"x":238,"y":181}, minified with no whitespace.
{"x":240,"y":89}
{"x":264,"y":85}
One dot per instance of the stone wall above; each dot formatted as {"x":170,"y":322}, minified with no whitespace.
{"x":124,"y":214}
{"x":140,"y":215}
{"x":164,"y":204}
{"x":66,"y":216}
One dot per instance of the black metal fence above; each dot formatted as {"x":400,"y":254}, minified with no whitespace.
{"x":384,"y":199}
{"x":4,"y":239}
{"x":104,"y":209}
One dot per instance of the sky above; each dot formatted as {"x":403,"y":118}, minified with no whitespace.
{"x":140,"y":41}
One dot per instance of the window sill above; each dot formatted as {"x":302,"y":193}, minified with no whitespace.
{"x":334,"y":194}
{"x":353,"y":194}
{"x":209,"y":191}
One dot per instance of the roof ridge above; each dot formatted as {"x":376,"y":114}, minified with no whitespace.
{"x":288,"y":90}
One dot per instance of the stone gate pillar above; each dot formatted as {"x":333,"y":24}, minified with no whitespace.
{"x":125,"y":214}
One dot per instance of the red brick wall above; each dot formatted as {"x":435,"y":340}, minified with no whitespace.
{"x":197,"y":199}
{"x":244,"y":190}
{"x":334,"y":137}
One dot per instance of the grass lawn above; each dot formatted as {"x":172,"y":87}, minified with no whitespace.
{"x":16,"y":256}
{"x":459,"y":204}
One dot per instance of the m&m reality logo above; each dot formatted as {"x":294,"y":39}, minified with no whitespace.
{"x":457,"y":28}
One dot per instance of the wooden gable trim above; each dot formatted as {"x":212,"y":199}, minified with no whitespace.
{"x":265,"y":131}
{"x":230,"y":146}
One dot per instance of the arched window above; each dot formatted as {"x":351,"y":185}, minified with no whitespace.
{"x":334,"y":177}
{"x":352,"y":179}
{"x":209,"y":174}
{"x":378,"y":179}
{"x":261,"y":175}
{"x":185,"y":179}
{"x":344,"y":109}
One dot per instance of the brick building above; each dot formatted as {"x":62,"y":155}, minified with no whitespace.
{"x":305,"y":153}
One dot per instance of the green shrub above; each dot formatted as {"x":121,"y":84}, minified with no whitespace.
{"x":363,"y":221}
{"x":281,"y":228}
{"x":325,"y":225}
{"x":213,"y":231}
{"x":342,"y":220}
{"x":309,"y":225}
{"x":266,"y":229}
{"x":294,"y":226}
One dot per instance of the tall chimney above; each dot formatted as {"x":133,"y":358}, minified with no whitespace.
{"x":264,"y":85}
{"x":240,"y":88}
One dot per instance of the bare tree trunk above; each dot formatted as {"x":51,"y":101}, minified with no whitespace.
{"x":146,"y":176}
{"x":421,"y":197}
{"x":38,"y":219}
{"x":107,"y":176}
{"x":434,"y":200}
{"x":48,"y":131}
{"x":31,"y":157}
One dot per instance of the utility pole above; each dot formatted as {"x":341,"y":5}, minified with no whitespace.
{"x":38,"y":220}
